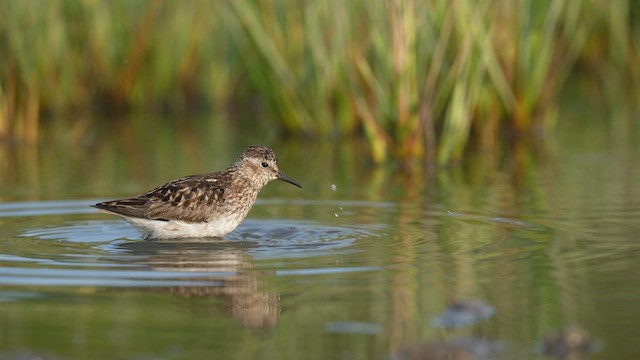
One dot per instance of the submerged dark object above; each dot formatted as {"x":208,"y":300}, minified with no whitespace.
{"x":455,"y":349}
{"x":569,"y":343}
{"x":463,"y":313}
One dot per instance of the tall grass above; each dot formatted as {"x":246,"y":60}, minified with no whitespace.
{"x":419,"y":79}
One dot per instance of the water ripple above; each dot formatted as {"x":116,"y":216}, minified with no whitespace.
{"x":260,"y":238}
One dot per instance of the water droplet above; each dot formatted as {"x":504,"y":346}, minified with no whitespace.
{"x":333,"y":187}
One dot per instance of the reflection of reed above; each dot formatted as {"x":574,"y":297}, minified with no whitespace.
{"x":238,"y":289}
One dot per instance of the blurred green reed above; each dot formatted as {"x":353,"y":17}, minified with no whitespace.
{"x":419,"y":79}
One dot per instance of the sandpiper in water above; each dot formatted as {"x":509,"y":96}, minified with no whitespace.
{"x":207,"y":205}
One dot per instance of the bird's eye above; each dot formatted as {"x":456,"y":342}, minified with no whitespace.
{"x":264,"y":164}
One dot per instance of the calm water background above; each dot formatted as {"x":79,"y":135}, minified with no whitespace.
{"x":356,"y":265}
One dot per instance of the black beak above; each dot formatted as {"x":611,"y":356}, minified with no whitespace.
{"x":285,"y":178}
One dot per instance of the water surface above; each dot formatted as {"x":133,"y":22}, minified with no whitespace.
{"x":362,"y":263}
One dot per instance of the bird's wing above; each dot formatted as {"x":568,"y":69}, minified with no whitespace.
{"x":134,"y":207}
{"x":190,"y":199}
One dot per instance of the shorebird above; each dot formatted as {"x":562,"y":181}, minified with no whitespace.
{"x":206,"y":205}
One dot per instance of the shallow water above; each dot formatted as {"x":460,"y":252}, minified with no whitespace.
{"x":362,"y":263}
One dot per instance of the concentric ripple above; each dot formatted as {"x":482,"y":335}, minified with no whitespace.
{"x":65,"y":243}
{"x":260,"y":238}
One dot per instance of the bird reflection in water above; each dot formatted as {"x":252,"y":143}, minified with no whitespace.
{"x":236,"y":285}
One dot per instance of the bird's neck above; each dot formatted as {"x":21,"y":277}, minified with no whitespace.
{"x":248,"y":180}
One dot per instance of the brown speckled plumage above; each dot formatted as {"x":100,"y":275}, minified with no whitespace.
{"x":217,"y":201}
